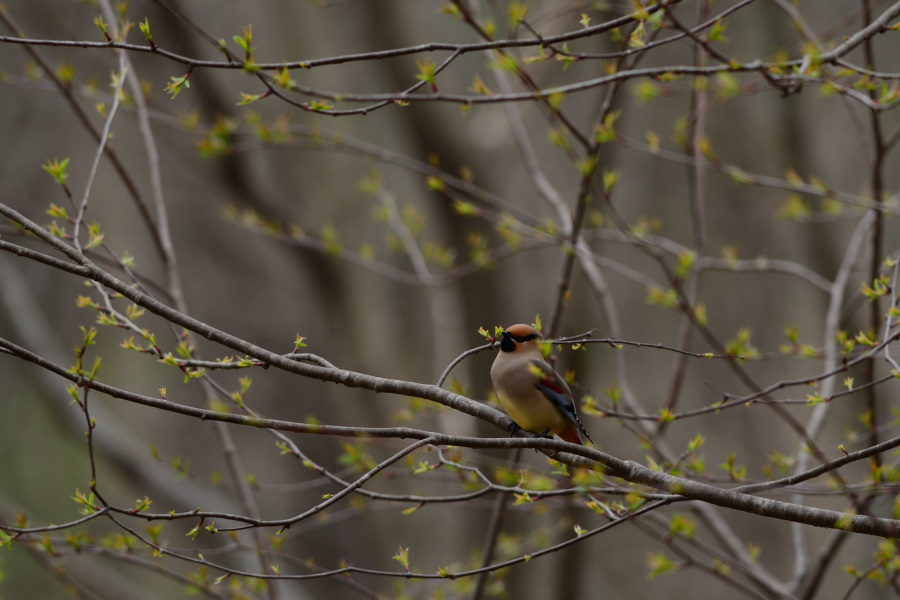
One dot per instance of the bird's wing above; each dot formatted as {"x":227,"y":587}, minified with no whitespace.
{"x":557,"y":392}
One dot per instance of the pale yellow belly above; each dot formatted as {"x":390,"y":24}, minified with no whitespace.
{"x":535,"y":414}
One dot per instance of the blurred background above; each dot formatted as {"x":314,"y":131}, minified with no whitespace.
{"x":287,"y":222}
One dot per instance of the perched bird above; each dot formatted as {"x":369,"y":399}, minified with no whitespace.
{"x":531,"y":392}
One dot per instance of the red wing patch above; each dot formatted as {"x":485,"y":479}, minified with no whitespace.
{"x":547,"y":377}
{"x":554,"y":389}
{"x":552,"y":384}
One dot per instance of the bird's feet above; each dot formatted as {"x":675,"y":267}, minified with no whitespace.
{"x":544,"y":435}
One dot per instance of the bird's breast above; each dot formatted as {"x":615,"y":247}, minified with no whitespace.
{"x":518,"y":393}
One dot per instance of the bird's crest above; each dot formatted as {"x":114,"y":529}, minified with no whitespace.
{"x":522,"y":331}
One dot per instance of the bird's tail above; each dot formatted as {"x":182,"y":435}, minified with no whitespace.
{"x":572,"y":435}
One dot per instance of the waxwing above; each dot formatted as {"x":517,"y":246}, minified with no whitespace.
{"x":531,"y":392}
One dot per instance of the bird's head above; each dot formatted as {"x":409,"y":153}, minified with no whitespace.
{"x":518,"y":336}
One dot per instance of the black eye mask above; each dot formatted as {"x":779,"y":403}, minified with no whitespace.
{"x":508,"y":340}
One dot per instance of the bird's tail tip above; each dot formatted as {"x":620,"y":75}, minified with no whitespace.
{"x":573,"y":436}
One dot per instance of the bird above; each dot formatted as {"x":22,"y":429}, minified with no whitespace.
{"x":530,"y":391}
